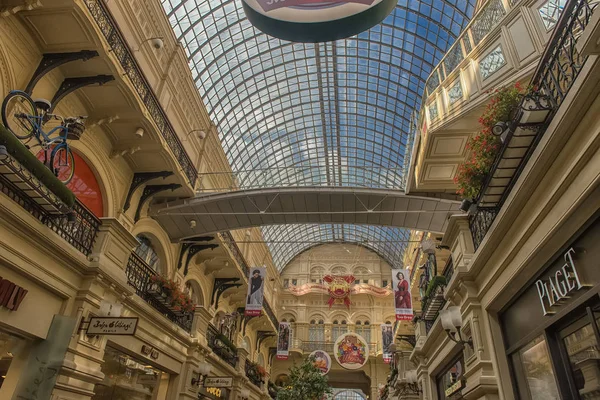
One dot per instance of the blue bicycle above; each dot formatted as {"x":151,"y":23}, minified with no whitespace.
{"x":24,"y":117}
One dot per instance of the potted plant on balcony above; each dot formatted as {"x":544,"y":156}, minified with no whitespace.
{"x":485,"y":145}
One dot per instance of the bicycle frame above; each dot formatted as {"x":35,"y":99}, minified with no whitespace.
{"x":47,"y":139}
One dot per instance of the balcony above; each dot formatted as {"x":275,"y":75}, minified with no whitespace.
{"x":139,"y":277}
{"x":502,"y":44}
{"x":221,"y":346}
{"x":434,"y":299}
{"x":253,"y":374}
{"x":556,"y":73}
{"x":30,"y":184}
{"x":308,"y":347}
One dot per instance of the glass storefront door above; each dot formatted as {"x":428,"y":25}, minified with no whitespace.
{"x":580,"y":342}
{"x":127,"y":378}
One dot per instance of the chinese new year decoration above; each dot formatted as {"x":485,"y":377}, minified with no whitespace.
{"x":339,"y":289}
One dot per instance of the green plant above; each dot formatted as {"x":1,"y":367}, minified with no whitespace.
{"x":19,"y":152}
{"x":227,"y":342}
{"x":306,"y":382}
{"x":178,"y":300}
{"x":436,"y":281}
{"x":484,"y":146}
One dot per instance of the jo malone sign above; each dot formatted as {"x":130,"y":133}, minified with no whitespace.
{"x":557,"y":286}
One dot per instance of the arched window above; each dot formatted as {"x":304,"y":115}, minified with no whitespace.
{"x":316,"y":331}
{"x":338,"y":329}
{"x":348,"y":395}
{"x":84,"y":185}
{"x":146,"y":252}
{"x":364,"y":330}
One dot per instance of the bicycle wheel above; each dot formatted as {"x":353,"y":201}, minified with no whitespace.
{"x":63,"y":163}
{"x":15,"y":109}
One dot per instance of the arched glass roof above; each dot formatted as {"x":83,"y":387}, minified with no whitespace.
{"x":315,"y":114}
{"x":287,"y":241}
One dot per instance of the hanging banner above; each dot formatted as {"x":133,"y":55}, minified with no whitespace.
{"x":402,"y":298}
{"x":256,"y":291}
{"x":284,"y":340}
{"x":387,"y":338}
{"x":322,"y":360}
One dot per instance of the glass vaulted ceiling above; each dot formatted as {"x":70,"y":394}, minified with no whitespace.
{"x":326,"y":114}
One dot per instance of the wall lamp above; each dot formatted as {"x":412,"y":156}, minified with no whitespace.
{"x":500,"y":129}
{"x":200,"y":133}
{"x":452,"y":322}
{"x":245,"y":394}
{"x":156,"y":42}
{"x":203,"y":371}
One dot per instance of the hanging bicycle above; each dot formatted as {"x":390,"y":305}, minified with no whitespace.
{"x":25,"y":118}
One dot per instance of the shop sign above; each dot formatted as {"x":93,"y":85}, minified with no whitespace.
{"x":213,"y":393}
{"x":218,"y":382}
{"x":11,"y":295}
{"x":454,"y":388}
{"x":558,"y":285}
{"x":150,"y":352}
{"x":112,"y":326}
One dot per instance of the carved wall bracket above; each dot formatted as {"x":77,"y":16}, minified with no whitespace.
{"x":51,"y":61}
{"x":221,"y":285}
{"x":150,"y":191}
{"x":139,"y":178}
{"x":70,"y":85}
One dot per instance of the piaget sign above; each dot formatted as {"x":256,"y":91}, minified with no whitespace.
{"x":112,"y":326}
{"x":557,"y":286}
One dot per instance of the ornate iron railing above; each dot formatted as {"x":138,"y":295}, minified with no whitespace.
{"x":117,"y":43}
{"x":448,"y":270}
{"x":252,"y":374}
{"x":556,"y":72}
{"x":270,"y":313}
{"x":79,"y":232}
{"x":138,"y":276}
{"x":220,"y":348}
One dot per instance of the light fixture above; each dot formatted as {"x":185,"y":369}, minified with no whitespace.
{"x":201,"y":133}
{"x":245,"y":394}
{"x":139,"y":132}
{"x":204,"y":370}
{"x":156,"y":42}
{"x":500,"y":129}
{"x":452,"y":322}
{"x":192,"y":224}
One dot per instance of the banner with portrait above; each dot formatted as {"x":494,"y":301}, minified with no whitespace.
{"x":402,"y":297}
{"x":256,"y":291}
{"x":387,"y":338}
{"x":284,"y":340}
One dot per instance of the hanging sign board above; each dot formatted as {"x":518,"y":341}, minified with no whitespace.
{"x":283,"y":341}
{"x":312,"y":21}
{"x":112,"y":326}
{"x":256,"y":291}
{"x":402,"y":297}
{"x":218,"y":381}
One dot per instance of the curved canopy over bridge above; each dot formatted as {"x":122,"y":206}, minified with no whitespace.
{"x":218,"y":212}
{"x":337,"y":112}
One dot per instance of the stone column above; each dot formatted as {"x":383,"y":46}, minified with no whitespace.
{"x":202,"y":318}
{"x":81,"y":369}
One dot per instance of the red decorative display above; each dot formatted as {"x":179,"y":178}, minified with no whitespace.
{"x":339,"y":289}
{"x":84,"y":185}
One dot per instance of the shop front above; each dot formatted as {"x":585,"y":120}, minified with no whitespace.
{"x":29,"y":322}
{"x":450,"y":381}
{"x":213,"y":393}
{"x":552,"y":329}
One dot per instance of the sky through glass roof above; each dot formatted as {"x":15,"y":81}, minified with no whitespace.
{"x":337,"y":112}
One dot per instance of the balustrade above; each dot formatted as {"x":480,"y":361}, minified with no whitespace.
{"x":221,"y":347}
{"x":139,"y":276}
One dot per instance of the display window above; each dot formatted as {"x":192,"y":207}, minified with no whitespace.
{"x":128,"y":378}
{"x":551,"y":329}
{"x":450,"y":382}
{"x":9,"y":345}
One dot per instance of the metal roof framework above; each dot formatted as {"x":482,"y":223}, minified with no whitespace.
{"x":338,"y":111}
